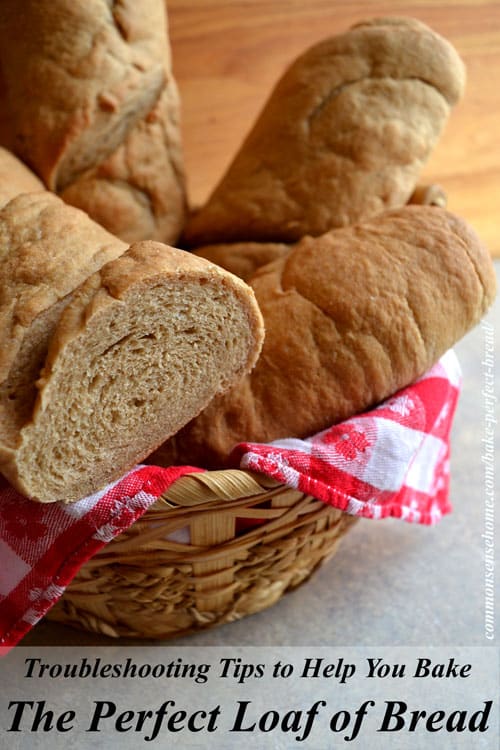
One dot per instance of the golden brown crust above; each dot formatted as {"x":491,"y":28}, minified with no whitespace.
{"x":138,"y":193}
{"x":342,"y":137}
{"x":77,"y":78}
{"x":100,"y":126}
{"x":47,"y":249}
{"x":245,"y":258}
{"x":351,"y":317}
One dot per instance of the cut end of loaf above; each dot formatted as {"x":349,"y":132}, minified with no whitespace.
{"x":146,"y":345}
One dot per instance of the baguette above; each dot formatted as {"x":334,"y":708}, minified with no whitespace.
{"x":351,"y":317}
{"x":342,"y":137}
{"x":244,"y":258}
{"x":90,"y":103}
{"x":141,"y":348}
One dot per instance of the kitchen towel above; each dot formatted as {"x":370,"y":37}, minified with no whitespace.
{"x":391,"y":461}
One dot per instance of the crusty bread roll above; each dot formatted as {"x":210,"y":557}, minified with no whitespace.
{"x":351,"y":317}
{"x":342,"y":137}
{"x":89,"y":102}
{"x":15,"y":178}
{"x":141,"y":348}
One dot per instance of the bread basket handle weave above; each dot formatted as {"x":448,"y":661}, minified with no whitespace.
{"x":216,"y":486}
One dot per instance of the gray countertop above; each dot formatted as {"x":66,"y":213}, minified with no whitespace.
{"x":390,"y":583}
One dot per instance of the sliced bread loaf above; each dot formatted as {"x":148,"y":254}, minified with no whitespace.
{"x":143,"y":346}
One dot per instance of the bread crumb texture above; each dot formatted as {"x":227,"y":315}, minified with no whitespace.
{"x":144,"y":346}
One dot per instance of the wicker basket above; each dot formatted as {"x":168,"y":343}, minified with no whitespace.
{"x":218,"y":546}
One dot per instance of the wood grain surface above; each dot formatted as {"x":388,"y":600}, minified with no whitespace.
{"x":228,"y":55}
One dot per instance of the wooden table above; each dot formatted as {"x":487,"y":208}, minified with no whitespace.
{"x":228,"y":55}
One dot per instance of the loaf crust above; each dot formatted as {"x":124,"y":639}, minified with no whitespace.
{"x":90,"y":103}
{"x":143,"y":346}
{"x":47,"y":249}
{"x":78,"y":76}
{"x":351,"y":317}
{"x":138,"y":192}
{"x":342,"y":137}
{"x":245,"y":258}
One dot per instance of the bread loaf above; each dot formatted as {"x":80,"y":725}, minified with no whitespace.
{"x":141,"y":348}
{"x":351,"y":317}
{"x":138,"y":192}
{"x":89,"y":102}
{"x":342,"y":137}
{"x":244,"y":258}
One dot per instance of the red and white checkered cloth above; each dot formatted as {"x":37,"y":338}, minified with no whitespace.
{"x":391,"y":461}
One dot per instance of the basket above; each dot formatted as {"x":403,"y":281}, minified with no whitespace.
{"x":218,"y":546}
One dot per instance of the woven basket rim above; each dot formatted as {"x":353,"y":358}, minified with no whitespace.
{"x":239,"y":556}
{"x":216,"y":486}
